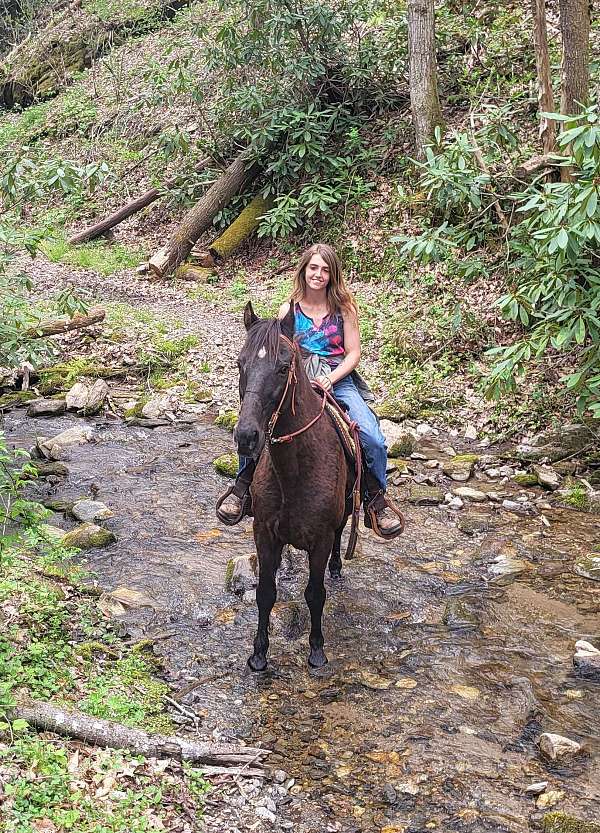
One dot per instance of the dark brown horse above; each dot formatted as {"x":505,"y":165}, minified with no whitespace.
{"x":300,"y":486}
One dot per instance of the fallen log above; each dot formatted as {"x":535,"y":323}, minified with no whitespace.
{"x":108,"y":733}
{"x":237,"y":176}
{"x":242,"y":227}
{"x":102,"y":226}
{"x":536,"y":164}
{"x":63,"y":325}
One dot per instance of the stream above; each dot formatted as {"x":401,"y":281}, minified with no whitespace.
{"x":444,"y":668}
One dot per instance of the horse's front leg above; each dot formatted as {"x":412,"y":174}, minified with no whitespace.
{"x":315,"y":599}
{"x":335,"y":559}
{"x":269,"y":559}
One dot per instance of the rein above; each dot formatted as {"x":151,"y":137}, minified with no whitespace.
{"x":352,"y":425}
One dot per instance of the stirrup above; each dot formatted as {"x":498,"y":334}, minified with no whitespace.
{"x":371,"y":521}
{"x":228,"y":520}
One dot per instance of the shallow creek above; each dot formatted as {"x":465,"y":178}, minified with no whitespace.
{"x":441,"y":675}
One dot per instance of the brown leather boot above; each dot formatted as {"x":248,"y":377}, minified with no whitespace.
{"x":232,"y":507}
{"x":383,"y":517}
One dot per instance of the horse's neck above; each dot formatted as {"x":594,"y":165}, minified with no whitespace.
{"x":307,"y":405}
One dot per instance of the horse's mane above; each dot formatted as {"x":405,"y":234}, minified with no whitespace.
{"x":264,"y":333}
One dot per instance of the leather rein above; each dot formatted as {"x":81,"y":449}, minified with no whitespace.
{"x":352,"y":426}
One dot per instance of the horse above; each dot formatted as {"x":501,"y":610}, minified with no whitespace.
{"x":302,"y":479}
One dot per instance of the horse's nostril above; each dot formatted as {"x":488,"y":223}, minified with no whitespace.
{"x":247,"y":440}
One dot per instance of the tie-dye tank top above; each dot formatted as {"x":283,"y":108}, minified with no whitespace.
{"x":326,"y":340}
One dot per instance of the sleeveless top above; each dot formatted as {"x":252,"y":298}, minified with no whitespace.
{"x":326,"y":340}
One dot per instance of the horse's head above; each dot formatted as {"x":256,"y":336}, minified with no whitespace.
{"x":264,"y":364}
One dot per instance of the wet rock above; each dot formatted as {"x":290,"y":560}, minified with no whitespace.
{"x":474,"y":522}
{"x":470,"y":494}
{"x":505,"y":567}
{"x":422,"y":495}
{"x":51,"y":532}
{"x":397,"y":465}
{"x":587,"y":660}
{"x":96,"y":397}
{"x":227,"y":464}
{"x":289,"y":619}
{"x":390,"y":796}
{"x":157,"y":407}
{"x":467,"y":692}
{"x":48,"y":469}
{"x":77,"y":396}
{"x":558,"y":746}
{"x":557,"y":444}
{"x":460,"y":467}
{"x":88,"y":536}
{"x":588,"y":566}
{"x":454,"y":503}
{"x":547,"y":477}
{"x":91,"y":510}
{"x":46,"y":407}
{"x":562,"y":823}
{"x":521,"y":507}
{"x":56,"y":448}
{"x":242,"y":574}
{"x":458,"y":615}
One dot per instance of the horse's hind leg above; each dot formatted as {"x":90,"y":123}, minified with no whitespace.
{"x":335,"y":559}
{"x":315,"y":599}
{"x":269,"y":559}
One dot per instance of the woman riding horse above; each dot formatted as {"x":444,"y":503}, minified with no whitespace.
{"x":326,"y":329}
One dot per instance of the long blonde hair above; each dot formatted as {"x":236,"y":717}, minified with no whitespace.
{"x":339,"y":297}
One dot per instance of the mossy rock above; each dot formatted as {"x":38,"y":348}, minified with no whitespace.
{"x":228,"y":420}
{"x":229,"y":574}
{"x":16,"y":399}
{"x":88,"y":536}
{"x":563,"y":823}
{"x":135,"y":412}
{"x":526,"y":479}
{"x":196,"y":393}
{"x":398,"y":464}
{"x":460,"y":467}
{"x":227,"y":464}
{"x":403,"y":447}
{"x":392,"y":409}
{"x":422,"y":495}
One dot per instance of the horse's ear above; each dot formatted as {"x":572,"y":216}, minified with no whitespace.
{"x":288,"y":323}
{"x":249,"y":317}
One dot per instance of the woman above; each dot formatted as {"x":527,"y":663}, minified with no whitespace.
{"x":326,"y":328}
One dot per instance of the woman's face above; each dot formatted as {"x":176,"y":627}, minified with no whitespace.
{"x":317,"y":273}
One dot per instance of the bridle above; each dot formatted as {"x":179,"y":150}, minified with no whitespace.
{"x":292,"y":382}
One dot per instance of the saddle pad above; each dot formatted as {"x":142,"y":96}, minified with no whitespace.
{"x":341,"y":427}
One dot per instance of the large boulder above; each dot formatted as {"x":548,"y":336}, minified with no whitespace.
{"x":91,"y":510}
{"x":566,"y":441}
{"x":46,"y":407}
{"x":57,"y":448}
{"x":88,"y":536}
{"x":557,"y":746}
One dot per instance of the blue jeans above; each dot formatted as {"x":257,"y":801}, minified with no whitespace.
{"x":371,"y":438}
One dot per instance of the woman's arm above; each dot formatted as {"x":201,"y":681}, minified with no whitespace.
{"x":351,"y":346}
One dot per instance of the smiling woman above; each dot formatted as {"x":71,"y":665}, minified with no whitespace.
{"x":324,"y":321}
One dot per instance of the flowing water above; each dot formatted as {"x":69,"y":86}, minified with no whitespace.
{"x":442,"y":675}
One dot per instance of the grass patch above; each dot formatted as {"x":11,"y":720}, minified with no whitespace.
{"x":117,"y":9}
{"x":102,"y":257}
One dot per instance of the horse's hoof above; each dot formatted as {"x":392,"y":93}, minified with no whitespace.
{"x":257,"y":663}
{"x":317,"y":658}
{"x":335,"y":572}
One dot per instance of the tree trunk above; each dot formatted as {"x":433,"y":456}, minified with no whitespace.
{"x":107,"y":733}
{"x":542,"y":60}
{"x":575,"y":30}
{"x":132,"y":207}
{"x":43,"y":64}
{"x":237,"y":176}
{"x":425,"y":104}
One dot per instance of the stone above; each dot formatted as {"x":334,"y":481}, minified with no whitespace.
{"x":422,"y":495}
{"x":96,"y":397}
{"x":243,"y":574}
{"x":526,"y":479}
{"x":458,"y":615}
{"x":77,"y":397}
{"x":227,"y":418}
{"x":523,"y":508}
{"x":537,"y":788}
{"x":460,"y":467}
{"x":588,"y":566}
{"x":47,"y":469}
{"x":91,"y":510}
{"x":547,"y":477}
{"x":474,"y":522}
{"x":467,"y":692}
{"x":556,"y":444}
{"x":56,"y":448}
{"x":549,"y":799}
{"x":562,"y":823}
{"x":227,"y":464}
{"x":455,"y":503}
{"x":157,"y":407}
{"x":506,"y":567}
{"x":88,"y":536}
{"x":557,"y":746}
{"x":586,"y":661}
{"x":46,"y":407}
{"x":470,"y":432}
{"x":470,"y":494}
{"x":265,"y":814}
{"x":398,"y":438}
{"x":53,"y":533}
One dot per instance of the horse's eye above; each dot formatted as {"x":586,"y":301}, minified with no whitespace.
{"x":283,"y":369}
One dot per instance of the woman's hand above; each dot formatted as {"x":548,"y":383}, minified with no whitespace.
{"x":325,"y":381}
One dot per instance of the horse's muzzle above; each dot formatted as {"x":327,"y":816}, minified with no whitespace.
{"x":249,"y":441}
